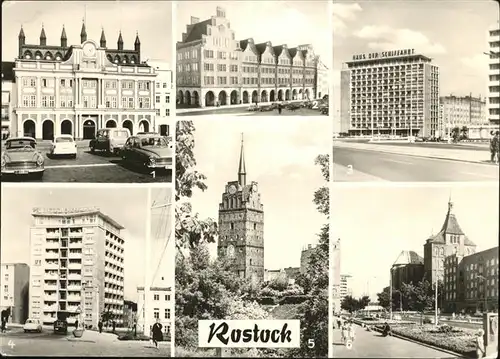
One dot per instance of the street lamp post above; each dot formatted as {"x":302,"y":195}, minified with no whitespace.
{"x":436,"y":293}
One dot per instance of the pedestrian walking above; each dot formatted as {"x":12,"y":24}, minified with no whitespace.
{"x":4,"y":324}
{"x":157,"y":333}
{"x":352,"y":332}
{"x":494,"y":147}
{"x":76,"y":324}
{"x":344,"y":332}
{"x":100,"y":326}
{"x":497,"y":149}
{"x":114,"y":326}
{"x":279,"y":109}
{"x":480,"y":344}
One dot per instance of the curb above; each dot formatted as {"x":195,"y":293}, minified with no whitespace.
{"x":455,"y":355}
{"x":421,"y":156}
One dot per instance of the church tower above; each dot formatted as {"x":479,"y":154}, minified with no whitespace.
{"x":241,"y":225}
{"x":450,"y":240}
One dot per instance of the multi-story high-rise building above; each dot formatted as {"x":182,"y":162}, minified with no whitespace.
{"x":8,"y":87}
{"x":450,"y":240}
{"x":213,"y":68}
{"x":345,"y":286}
{"x":241,"y":225}
{"x":390,"y":93}
{"x":14,"y":286}
{"x":409,"y":268}
{"x":77,"y":265}
{"x":79,"y":89}
{"x":335,"y":276}
{"x":471,"y":282}
{"x":162,"y":308}
{"x":494,"y":76}
{"x":164,"y":97}
{"x":461,"y":111}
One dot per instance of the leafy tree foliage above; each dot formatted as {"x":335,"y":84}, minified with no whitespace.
{"x":352,"y":304}
{"x":314,"y":311}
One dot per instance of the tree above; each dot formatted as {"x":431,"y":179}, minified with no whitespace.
{"x":349,"y":303}
{"x":455,"y":134}
{"x":464,"y":132}
{"x":420,"y":296}
{"x":363,"y":302}
{"x":314,"y":311}
{"x":383,"y":298}
{"x":106,"y":317}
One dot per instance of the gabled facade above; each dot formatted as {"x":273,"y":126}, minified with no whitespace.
{"x":214,"y":69}
{"x":450,"y":240}
{"x":78,"y":89}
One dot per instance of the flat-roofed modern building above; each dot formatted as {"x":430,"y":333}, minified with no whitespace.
{"x":390,"y":93}
{"x":494,"y":76}
{"x":14,"y":286}
{"x":77,"y":261}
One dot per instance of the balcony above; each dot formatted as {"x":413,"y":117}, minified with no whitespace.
{"x":50,"y":298}
{"x":52,"y":235}
{"x":76,"y":234}
{"x":50,"y":286}
{"x":52,"y":245}
{"x":75,"y":265}
{"x":50,"y":308}
{"x":51,"y":276}
{"x":74,"y":276}
{"x":51,"y":255}
{"x":73,"y":255}
{"x":72,"y":308}
{"x":74,"y":298}
{"x":52,"y":265}
{"x":75,"y":287}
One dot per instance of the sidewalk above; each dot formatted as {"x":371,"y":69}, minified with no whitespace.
{"x":438,"y":153}
{"x":345,"y":174}
{"x":91,"y":336}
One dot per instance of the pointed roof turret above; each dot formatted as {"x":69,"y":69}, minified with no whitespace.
{"x":120,"y":41}
{"x":103,"y":38}
{"x":42,"y":34}
{"x":242,"y":173}
{"x":21,"y":33}
{"x":137,"y":41}
{"x":63,"y":34}
{"x":83,"y":33}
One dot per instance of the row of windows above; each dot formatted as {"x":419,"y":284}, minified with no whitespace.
{"x":157,"y":297}
{"x":68,"y":83}
{"x":222,"y":80}
{"x":167,"y":99}
{"x":156,"y":313}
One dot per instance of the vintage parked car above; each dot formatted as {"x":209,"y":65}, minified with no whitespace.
{"x":148,"y":151}
{"x":266,"y":108}
{"x":110,"y":140}
{"x":61,"y":326}
{"x":293,"y":106}
{"x":253,"y":108}
{"x":32,"y":325}
{"x":20,"y":157}
{"x":63,"y":145}
{"x":325,"y":110}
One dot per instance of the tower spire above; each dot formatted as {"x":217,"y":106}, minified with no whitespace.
{"x":450,"y":203}
{"x":242,"y":173}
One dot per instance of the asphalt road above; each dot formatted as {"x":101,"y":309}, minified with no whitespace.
{"x":372,"y":165}
{"x":17,"y":343}
{"x":373,"y":345}
{"x":449,"y":146}
{"x":90,"y":168}
{"x":243,"y":110}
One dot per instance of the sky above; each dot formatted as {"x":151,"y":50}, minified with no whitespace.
{"x":16,"y":219}
{"x":453,"y":33}
{"x":279,"y":155}
{"x":281,"y":22}
{"x":151,"y":19}
{"x":373,"y":236}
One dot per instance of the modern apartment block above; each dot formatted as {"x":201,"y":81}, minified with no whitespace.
{"x":494,"y":76}
{"x":77,"y":265}
{"x":390,"y":93}
{"x":214,"y":68}
{"x":345,"y":286}
{"x":335,"y":278}
{"x":14,"y":286}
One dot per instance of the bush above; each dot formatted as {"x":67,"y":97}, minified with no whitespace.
{"x":458,"y":341}
{"x":266,"y":300}
{"x":294,"y":299}
{"x":269,"y":292}
{"x":279,"y":283}
{"x":427,"y":321}
{"x":293,"y":289}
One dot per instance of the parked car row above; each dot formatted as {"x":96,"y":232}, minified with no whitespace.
{"x":149,"y":150}
{"x":321,"y":105}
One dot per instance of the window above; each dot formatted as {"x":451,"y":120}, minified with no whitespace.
{"x":167,"y":313}
{"x":167,"y":297}
{"x":156,"y":297}
{"x":5,"y":288}
{"x":156,"y":313}
{"x":167,"y":99}
{"x":157,"y":99}
{"x":38,"y":262}
{"x":167,"y":112}
{"x":232,"y":225}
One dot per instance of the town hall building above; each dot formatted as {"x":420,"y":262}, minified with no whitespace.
{"x":78,"y":89}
